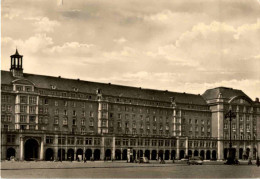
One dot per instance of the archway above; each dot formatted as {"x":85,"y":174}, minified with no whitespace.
{"x":182,"y":153}
{"x":254,"y":153}
{"x":139,"y":153}
{"x":247,"y":153}
{"x":189,"y":153}
{"x":61,"y":154}
{"x":96,"y":154}
{"x":10,"y":153}
{"x":167,"y":155}
{"x":214,"y":155}
{"x":125,"y":154}
{"x":202,"y":154}
{"x":225,"y":153}
{"x":118,"y":154}
{"x":241,"y":153}
{"x":108,"y":154}
{"x":79,"y":154}
{"x":154,"y":155}
{"x":147,"y":154}
{"x":196,"y":153}
{"x":70,"y":155}
{"x":31,"y":149}
{"x":160,"y":154}
{"x":88,"y":154}
{"x":173,"y":155}
{"x":208,"y":155}
{"x":134,"y":154}
{"x":49,"y":154}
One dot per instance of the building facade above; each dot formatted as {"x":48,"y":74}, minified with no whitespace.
{"x":47,"y":118}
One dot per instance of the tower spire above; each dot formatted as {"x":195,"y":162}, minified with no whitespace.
{"x":17,"y":64}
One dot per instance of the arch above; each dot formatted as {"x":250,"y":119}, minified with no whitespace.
{"x":31,"y":149}
{"x":254,"y":153}
{"x":139,"y":153}
{"x":241,"y":97}
{"x":61,"y":154}
{"x":214,"y":155}
{"x":173,"y":155}
{"x":79,"y":155}
{"x":182,"y":153}
{"x":88,"y":154}
{"x":49,"y":154}
{"x":241,"y":153}
{"x":167,"y":155}
{"x":96,"y":154}
{"x":10,"y":153}
{"x":196,"y":153}
{"x":189,"y":153}
{"x":108,"y":154}
{"x":225,"y":153}
{"x":147,"y":154}
{"x":134,"y":154}
{"x":160,"y":154}
{"x":154,"y":153}
{"x":247,"y":153}
{"x":202,"y":154}
{"x":118,"y":154}
{"x":208,"y":155}
{"x":124,"y":154}
{"x":70,"y":155}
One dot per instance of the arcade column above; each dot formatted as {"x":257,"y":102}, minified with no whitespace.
{"x":21,"y":148}
{"x":41,"y":149}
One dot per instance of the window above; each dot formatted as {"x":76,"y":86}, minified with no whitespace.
{"x":65,"y":103}
{"x":23,"y":108}
{"x":23,"y":99}
{"x":19,"y":88}
{"x":83,"y":122}
{"x":61,"y":140}
{"x":233,"y":126}
{"x":91,"y":114}
{"x":96,"y":141}
{"x":56,"y":103}
{"x":125,"y":142}
{"x":65,"y":112}
{"x":28,"y":88}
{"x":225,"y":126}
{"x":196,"y":121}
{"x":91,"y":123}
{"x":82,"y":130}
{"x":190,"y":121}
{"x":88,"y":141}
{"x":74,"y":113}
{"x":65,"y":121}
{"x":56,"y":120}
{"x":83,"y":113}
{"x":45,"y":110}
{"x":32,"y":100}
{"x":49,"y":140}
{"x":154,"y":142}
{"x":104,"y":115}
{"x":31,"y":127}
{"x":32,"y":109}
{"x":71,"y":140}
{"x":32,"y":119}
{"x":160,"y":142}
{"x":73,"y":104}
{"x":118,"y":142}
{"x":56,"y":111}
{"x":119,"y":116}
{"x":147,"y":142}
{"x":202,"y":129}
{"x":10,"y":139}
{"x":22,"y":118}
{"x":79,"y":141}
{"x":104,"y":123}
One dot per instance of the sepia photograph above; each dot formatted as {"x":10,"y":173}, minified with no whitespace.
{"x":130,"y":89}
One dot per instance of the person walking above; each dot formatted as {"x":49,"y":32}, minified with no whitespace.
{"x":257,"y":162}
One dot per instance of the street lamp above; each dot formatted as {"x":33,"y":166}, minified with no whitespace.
{"x":231,"y":154}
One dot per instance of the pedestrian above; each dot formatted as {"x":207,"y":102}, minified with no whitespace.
{"x":85,"y":159}
{"x":249,"y":161}
{"x":257,"y":162}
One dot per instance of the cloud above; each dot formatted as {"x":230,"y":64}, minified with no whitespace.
{"x":45,"y":25}
{"x":120,"y":40}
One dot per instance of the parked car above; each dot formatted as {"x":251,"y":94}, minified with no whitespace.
{"x":195,"y":161}
{"x":142,"y":160}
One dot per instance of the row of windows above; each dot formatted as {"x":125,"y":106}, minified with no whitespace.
{"x":146,"y":142}
{"x":196,"y":121}
{"x":241,"y":126}
{"x":202,"y":144}
{"x":202,"y":129}
{"x":23,"y":88}
{"x":73,"y":140}
{"x":241,"y":136}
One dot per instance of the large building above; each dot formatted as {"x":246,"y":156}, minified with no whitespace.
{"x":46,"y":118}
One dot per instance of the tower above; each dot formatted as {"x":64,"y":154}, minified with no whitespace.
{"x":17,"y":64}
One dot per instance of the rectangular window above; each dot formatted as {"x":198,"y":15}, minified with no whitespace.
{"x":91,"y":114}
{"x":65,"y":121}
{"x":71,"y":140}
{"x":32,"y":100}
{"x":91,"y":123}
{"x":19,"y":88}
{"x":23,"y":108}
{"x":62,"y":140}
{"x":32,"y":109}
{"x":10,"y":139}
{"x":32,"y":119}
{"x":56,"y":111}
{"x":88,"y":141}
{"x":96,"y":141}
{"x":147,"y":142}
{"x":56,"y":120}
{"x":49,"y":140}
{"x":23,"y":99}
{"x":56,"y":103}
{"x":118,"y":142}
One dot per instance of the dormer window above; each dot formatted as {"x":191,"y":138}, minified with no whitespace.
{"x":53,"y":87}
{"x":75,"y":89}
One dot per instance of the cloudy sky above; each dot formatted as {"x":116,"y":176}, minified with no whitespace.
{"x":179,"y":45}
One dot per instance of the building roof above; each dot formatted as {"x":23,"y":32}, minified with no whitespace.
{"x":41,"y":81}
{"x":227,"y":93}
{"x":16,"y":54}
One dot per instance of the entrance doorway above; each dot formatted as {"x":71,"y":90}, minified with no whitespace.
{"x":49,"y":154}
{"x":31,"y":148}
{"x":9,"y":153}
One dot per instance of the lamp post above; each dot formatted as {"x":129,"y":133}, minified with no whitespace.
{"x":229,"y":115}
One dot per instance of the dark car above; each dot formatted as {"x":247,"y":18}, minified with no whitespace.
{"x":195,"y":161}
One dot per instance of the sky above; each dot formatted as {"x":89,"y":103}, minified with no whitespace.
{"x":176,"y":45}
